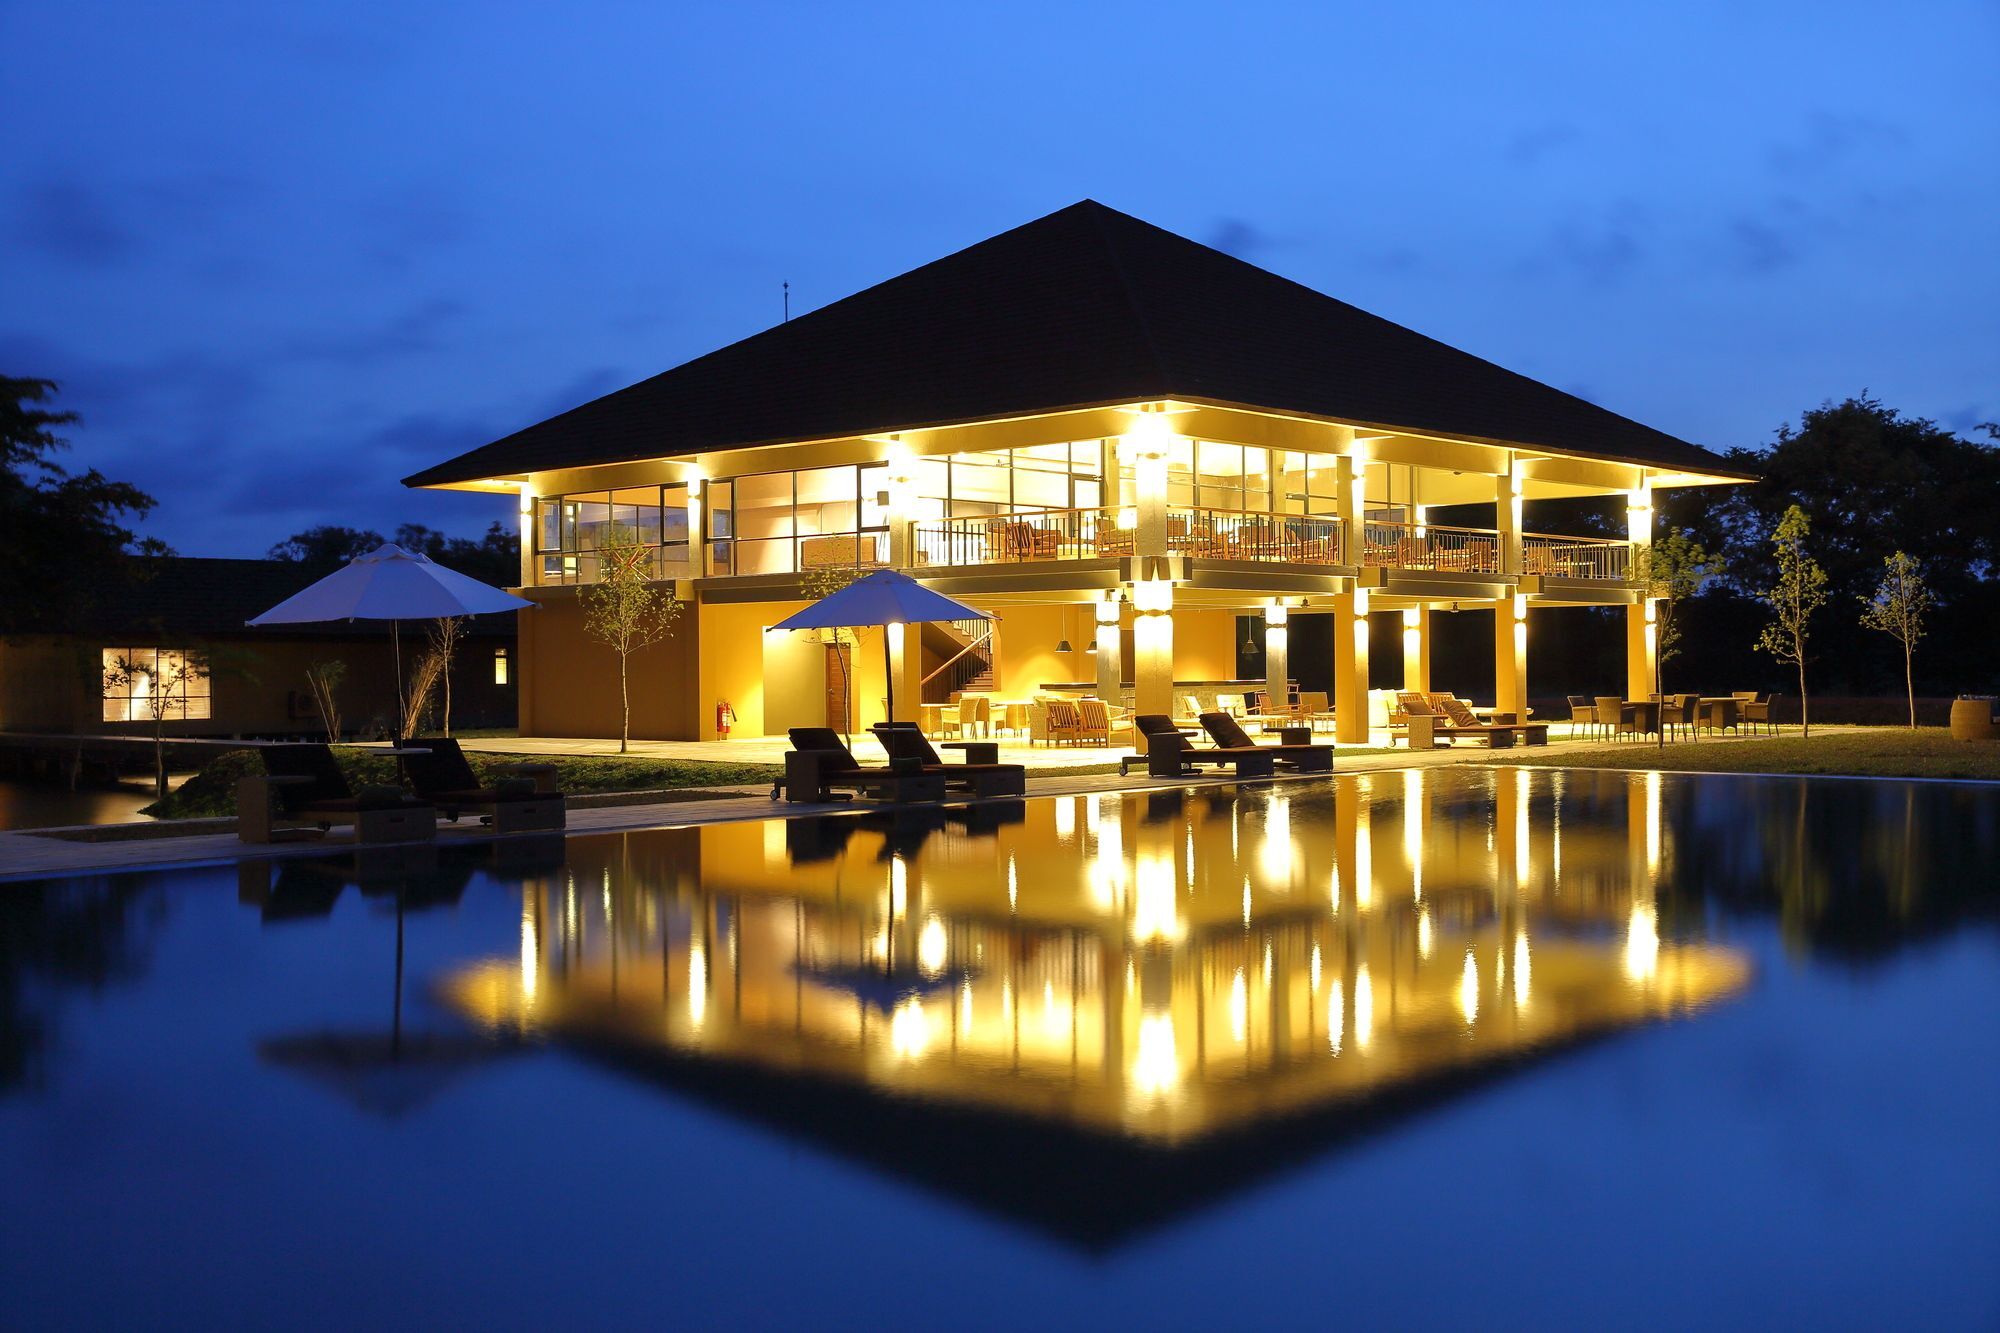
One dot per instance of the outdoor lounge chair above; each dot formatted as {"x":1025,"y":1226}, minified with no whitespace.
{"x":1582,"y":713}
{"x":819,"y":763}
{"x":304,"y":791}
{"x":903,"y":740}
{"x":442,"y":776}
{"x":1463,"y":719}
{"x":1171,"y":755}
{"x":1228,"y":734}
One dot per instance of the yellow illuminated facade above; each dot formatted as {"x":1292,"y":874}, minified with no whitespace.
{"x":1158,"y":967}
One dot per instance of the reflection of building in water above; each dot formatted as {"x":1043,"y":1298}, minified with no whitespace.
{"x":1159,"y":966}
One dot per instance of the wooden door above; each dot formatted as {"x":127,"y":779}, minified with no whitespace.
{"x":840,"y":687}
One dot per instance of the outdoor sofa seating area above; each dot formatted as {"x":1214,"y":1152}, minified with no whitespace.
{"x":303,"y":793}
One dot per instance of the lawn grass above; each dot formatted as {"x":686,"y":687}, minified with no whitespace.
{"x":1868,"y":752}
{"x":211,"y":792}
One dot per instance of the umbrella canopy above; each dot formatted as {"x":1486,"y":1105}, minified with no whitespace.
{"x":395,"y":585}
{"x":882,"y":598}
{"x":390,"y":583}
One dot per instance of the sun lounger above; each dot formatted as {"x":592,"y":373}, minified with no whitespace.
{"x":442,"y":775}
{"x":304,"y":792}
{"x":1229,"y":735}
{"x":903,"y":740}
{"x":820,"y":764}
{"x":1171,"y":755}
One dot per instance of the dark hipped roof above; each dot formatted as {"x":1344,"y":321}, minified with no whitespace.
{"x":1085,"y":307}
{"x":185,"y":598}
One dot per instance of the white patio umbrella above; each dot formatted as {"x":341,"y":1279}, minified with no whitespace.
{"x":395,"y":585}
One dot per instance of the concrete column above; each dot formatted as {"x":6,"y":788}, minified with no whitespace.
{"x":1510,"y":655}
{"x":1417,"y":649}
{"x":1153,"y":646}
{"x":1277,"y":654}
{"x":1110,"y":657}
{"x":1507,"y":517}
{"x":1350,"y":618}
{"x":906,"y":660}
{"x":1147,"y":445}
{"x":697,"y":528}
{"x":1641,"y":636}
{"x":527,"y":537}
{"x":900,"y":511}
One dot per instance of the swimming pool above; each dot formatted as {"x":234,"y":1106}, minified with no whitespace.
{"x":1410,"y":1047}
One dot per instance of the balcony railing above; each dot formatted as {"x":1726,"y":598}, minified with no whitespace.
{"x":1230,"y":534}
{"x":1598,"y":558}
{"x":1006,"y":539}
{"x":1082,"y":534}
{"x":670,"y":560}
{"x":1428,"y":546}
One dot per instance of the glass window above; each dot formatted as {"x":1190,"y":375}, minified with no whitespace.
{"x":141,"y":684}
{"x":571,"y":529}
{"x":499,"y":666}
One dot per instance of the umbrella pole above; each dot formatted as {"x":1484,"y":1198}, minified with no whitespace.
{"x":888,"y":676}
{"x":402,"y":704}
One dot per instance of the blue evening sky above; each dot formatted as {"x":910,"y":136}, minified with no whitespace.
{"x":281,"y":255}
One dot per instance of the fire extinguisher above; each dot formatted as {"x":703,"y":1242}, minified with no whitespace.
{"x":724,"y":716}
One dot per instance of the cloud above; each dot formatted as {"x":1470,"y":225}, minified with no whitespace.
{"x":417,"y":329}
{"x":1829,"y":138}
{"x":1241,"y":238}
{"x":1529,"y":147}
{"x":1759,"y":247}
{"x":1601,"y":250}
{"x":72,"y":222}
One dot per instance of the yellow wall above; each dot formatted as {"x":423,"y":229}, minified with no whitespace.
{"x":1028,"y":656}
{"x":570,"y":680}
{"x":1204,"y":645}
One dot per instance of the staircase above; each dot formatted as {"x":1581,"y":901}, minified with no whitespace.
{"x":967,"y":648}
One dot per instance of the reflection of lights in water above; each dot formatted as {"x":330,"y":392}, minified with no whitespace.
{"x":1520,"y":827}
{"x":1521,"y":966}
{"x":1642,"y":942}
{"x":1155,"y":906}
{"x":1336,"y":1019}
{"x":1006,"y":1000}
{"x":1275,"y":855}
{"x":1364,"y":1008}
{"x":1556,"y":832}
{"x":1468,"y":989}
{"x":965,"y":1005}
{"x":1315,"y":969}
{"x":1333,"y":890}
{"x":1239,"y":1007}
{"x":909,"y":1029}
{"x":1424,"y":933}
{"x":933,"y":947}
{"x":531,"y":950}
{"x":1066,"y":817}
{"x":1107,"y":874}
{"x":1413,"y":829}
{"x":1157,"y":1066}
{"x":1652,"y":825}
{"x":1093,"y":812}
{"x":899,"y":885}
{"x":1056,"y":1011}
{"x":1267,"y":962}
{"x":1364,"y":861}
{"x":697,"y":982}
{"x":1246,"y":902}
{"x":1013,"y":883}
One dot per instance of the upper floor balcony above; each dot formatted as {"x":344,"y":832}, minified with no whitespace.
{"x":1052,"y":537}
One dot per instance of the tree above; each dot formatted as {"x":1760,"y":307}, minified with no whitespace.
{"x":66,"y":542}
{"x":323,"y":680}
{"x":494,"y":559}
{"x":1798,"y":591}
{"x":447,"y":633}
{"x":823,"y":581}
{"x":626,"y":610}
{"x":325,"y":548}
{"x":1897,"y":609}
{"x":1673,"y":568}
{"x":161,"y":680}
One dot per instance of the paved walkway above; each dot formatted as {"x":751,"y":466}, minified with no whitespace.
{"x":25,"y":856}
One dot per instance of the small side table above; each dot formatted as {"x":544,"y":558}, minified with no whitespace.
{"x":1422,"y":731}
{"x":1295,"y":735}
{"x":976,"y":752}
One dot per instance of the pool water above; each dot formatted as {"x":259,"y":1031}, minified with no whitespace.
{"x":1409,"y":1049}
